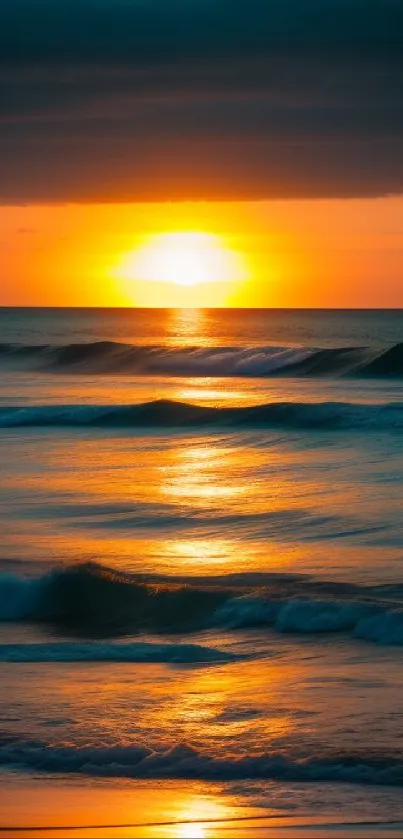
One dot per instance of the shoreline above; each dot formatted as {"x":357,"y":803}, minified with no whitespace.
{"x":149,"y":809}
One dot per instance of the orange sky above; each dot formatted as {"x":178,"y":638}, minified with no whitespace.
{"x":336,"y":253}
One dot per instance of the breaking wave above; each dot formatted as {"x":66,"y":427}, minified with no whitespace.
{"x":92,"y":598}
{"x":105,"y":357}
{"x":165,"y":413}
{"x":140,"y":652}
{"x":184,"y":761}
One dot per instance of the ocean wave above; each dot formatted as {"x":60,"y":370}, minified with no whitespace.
{"x":140,"y":652}
{"x":91,"y":595}
{"x":105,"y":357}
{"x":92,"y":598}
{"x":368,"y":621}
{"x":185,"y":761}
{"x":165,"y":413}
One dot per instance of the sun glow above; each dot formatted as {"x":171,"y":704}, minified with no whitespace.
{"x":183,"y":260}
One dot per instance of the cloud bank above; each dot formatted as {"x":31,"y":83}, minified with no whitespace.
{"x":104,"y":100}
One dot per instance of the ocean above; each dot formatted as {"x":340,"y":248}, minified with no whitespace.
{"x":201,"y":572}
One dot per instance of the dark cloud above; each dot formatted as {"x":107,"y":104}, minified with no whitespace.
{"x":164,"y":99}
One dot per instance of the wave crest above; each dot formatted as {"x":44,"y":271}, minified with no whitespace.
{"x":91,"y":598}
{"x":105,"y":357}
{"x":165,"y":413}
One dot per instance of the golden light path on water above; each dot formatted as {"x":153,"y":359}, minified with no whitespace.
{"x":177,"y":504}
{"x":183,"y":500}
{"x":187,"y":328}
{"x":174,"y":810}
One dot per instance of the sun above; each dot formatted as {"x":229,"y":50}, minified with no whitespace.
{"x":184,"y":258}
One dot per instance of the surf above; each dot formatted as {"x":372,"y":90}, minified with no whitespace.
{"x":114,"y":357}
{"x":138,"y":760}
{"x":90,"y":598}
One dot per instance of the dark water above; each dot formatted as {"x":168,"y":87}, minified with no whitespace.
{"x":207,"y":327}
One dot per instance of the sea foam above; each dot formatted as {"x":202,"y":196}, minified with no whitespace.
{"x":184,"y":761}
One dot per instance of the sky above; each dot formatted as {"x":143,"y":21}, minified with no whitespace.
{"x":275,"y":126}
